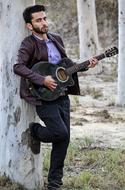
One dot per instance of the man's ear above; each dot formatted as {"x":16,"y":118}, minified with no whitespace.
{"x":29,"y":26}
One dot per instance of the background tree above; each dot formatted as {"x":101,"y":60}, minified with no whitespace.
{"x":16,"y":160}
{"x":88,"y":33}
{"x":121,"y":61}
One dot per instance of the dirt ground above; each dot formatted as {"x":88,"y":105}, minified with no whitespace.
{"x":95,"y":115}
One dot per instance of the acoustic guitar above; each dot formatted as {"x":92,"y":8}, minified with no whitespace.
{"x":62,"y":74}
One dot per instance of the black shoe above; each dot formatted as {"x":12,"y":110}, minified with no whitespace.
{"x":54,"y":186}
{"x":34,"y":143}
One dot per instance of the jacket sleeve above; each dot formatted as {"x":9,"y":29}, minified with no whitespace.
{"x":23,"y":59}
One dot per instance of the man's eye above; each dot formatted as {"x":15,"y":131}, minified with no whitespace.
{"x":39,"y":20}
{"x":44,"y":18}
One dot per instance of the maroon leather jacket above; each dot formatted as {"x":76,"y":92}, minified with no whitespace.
{"x":33,"y":50}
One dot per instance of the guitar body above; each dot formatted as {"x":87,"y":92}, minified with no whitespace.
{"x":57,"y":71}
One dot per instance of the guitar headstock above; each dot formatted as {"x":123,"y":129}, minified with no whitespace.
{"x":112,"y":51}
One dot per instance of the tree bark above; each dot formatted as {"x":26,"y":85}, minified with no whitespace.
{"x":16,"y":159}
{"x":88,"y":33}
{"x":121,"y":60}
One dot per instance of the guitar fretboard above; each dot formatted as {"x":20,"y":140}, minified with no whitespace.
{"x":77,"y":67}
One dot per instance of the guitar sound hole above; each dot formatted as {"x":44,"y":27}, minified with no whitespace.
{"x":61,"y":74}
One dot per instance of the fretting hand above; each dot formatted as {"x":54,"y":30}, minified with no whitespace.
{"x":93,"y":62}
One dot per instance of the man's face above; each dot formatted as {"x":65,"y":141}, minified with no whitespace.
{"x":39,"y":23}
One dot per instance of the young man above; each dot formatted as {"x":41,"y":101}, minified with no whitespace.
{"x":44,"y":46}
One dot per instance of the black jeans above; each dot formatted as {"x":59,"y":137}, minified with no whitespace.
{"x":56,"y":116}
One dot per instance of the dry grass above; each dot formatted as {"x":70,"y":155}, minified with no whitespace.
{"x":7,"y":184}
{"x":88,"y":168}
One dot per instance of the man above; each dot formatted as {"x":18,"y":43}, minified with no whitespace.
{"x":44,"y":46}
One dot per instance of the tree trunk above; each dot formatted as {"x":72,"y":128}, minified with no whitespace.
{"x":16,"y":159}
{"x":121,"y":61}
{"x":88,"y":34}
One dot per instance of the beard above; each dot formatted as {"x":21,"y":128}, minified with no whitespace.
{"x":42,"y":30}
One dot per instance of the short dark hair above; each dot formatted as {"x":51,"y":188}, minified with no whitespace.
{"x":27,"y":14}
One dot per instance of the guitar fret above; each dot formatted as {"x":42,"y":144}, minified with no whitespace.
{"x":77,"y":67}
{"x":99,"y":57}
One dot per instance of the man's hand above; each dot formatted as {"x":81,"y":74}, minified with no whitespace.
{"x":50,"y":83}
{"x":93,"y":62}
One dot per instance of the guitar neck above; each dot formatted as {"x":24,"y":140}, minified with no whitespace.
{"x":83,"y":65}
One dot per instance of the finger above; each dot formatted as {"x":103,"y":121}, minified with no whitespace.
{"x":54,"y":83}
{"x":90,"y":65}
{"x":91,"y":61}
{"x":52,"y":88}
{"x":93,"y":65}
